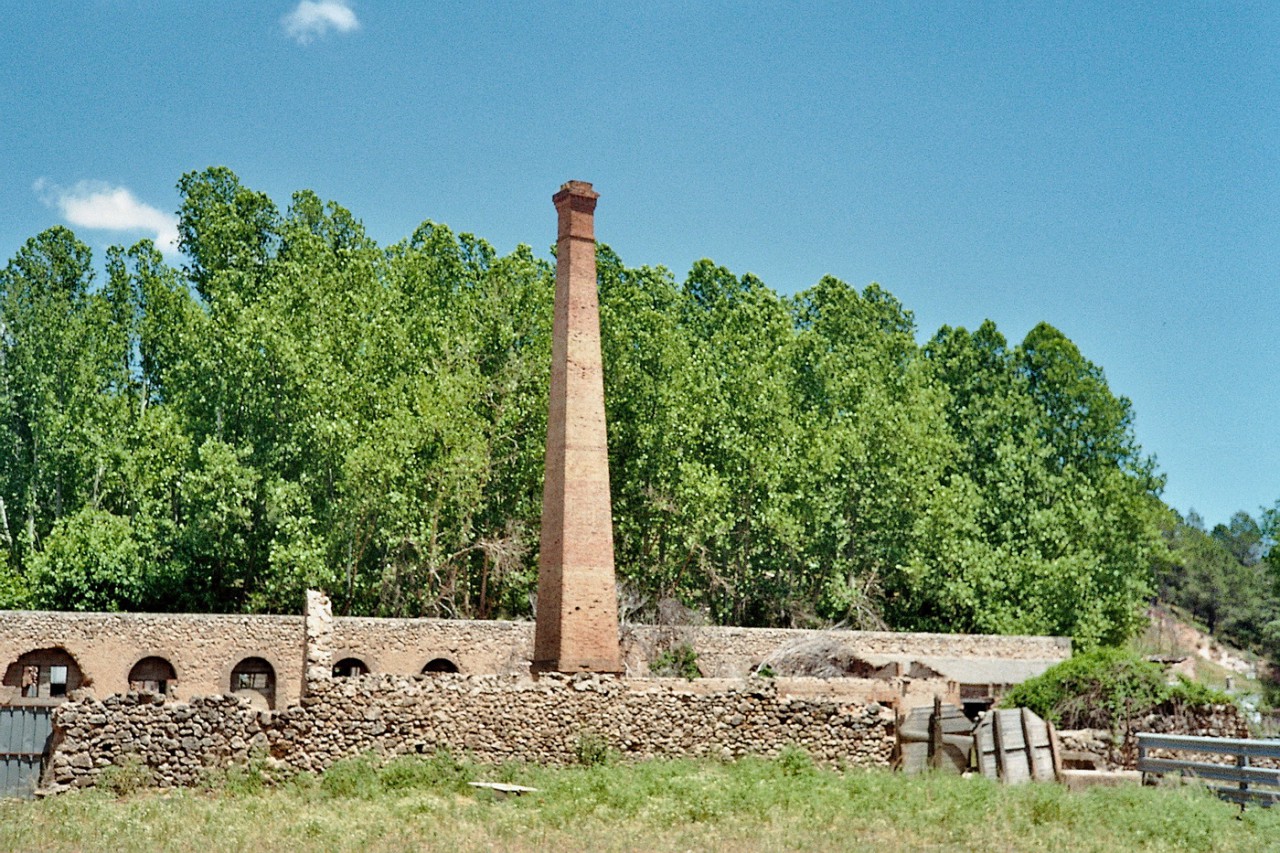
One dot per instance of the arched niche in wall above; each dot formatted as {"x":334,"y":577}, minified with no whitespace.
{"x":153,"y":674}
{"x":255,"y":677}
{"x":44,"y":674}
{"x":437,"y":666}
{"x":349,"y":667}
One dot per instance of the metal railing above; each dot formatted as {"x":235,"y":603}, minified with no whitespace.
{"x":1241,"y":774}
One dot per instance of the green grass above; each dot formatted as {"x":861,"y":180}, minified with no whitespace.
{"x":787,"y":804}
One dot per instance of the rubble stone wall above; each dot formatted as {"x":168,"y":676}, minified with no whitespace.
{"x":734,"y":651}
{"x":491,"y":718}
{"x":1119,"y":750}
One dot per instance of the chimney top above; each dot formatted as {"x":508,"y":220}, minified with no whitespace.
{"x":576,"y":204}
{"x":581,"y":189}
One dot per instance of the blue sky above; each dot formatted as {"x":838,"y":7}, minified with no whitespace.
{"x":1113,"y":169}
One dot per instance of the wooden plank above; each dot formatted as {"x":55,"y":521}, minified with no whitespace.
{"x":1013,"y":747}
{"x":915,"y":725}
{"x":1011,"y":729}
{"x":1040,"y":746}
{"x":504,"y":787}
{"x":954,"y":758}
{"x":935,"y":734}
{"x":1030,"y":742}
{"x":915,"y":756}
{"x":1016,"y":769}
{"x":1055,"y":749}
{"x":983,"y":738}
{"x":997,"y":740}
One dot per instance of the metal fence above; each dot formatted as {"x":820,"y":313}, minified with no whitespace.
{"x":1241,"y":774}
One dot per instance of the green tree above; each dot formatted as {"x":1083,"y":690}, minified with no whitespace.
{"x":299,"y":407}
{"x":61,"y":367}
{"x":90,"y":561}
{"x":874,"y":449}
{"x":1065,"y":525}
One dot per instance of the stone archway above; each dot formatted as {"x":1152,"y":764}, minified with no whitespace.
{"x":350,"y":667}
{"x":255,"y":678}
{"x":153,"y":674}
{"x":439,"y":666}
{"x":44,"y":674}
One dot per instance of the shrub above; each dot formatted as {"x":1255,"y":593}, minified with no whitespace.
{"x":440,"y":770}
{"x":353,"y":777}
{"x":679,"y":661}
{"x":794,"y":761}
{"x":90,"y":561}
{"x":592,"y":750}
{"x":1102,"y":688}
{"x":127,"y":776}
{"x":14,"y":594}
{"x":1197,"y":695}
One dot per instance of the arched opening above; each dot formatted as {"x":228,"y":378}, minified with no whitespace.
{"x":255,"y":677}
{"x":44,"y":674}
{"x":436,"y":666}
{"x":152,"y":675}
{"x":349,"y":667}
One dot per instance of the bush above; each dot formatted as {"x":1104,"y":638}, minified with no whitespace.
{"x":1102,"y":688}
{"x":14,"y":594}
{"x":440,"y":770}
{"x":1196,"y":695}
{"x":353,"y":777}
{"x":679,"y":661}
{"x":795,"y":761}
{"x":90,"y":561}
{"x":592,"y":750}
{"x":127,"y":776}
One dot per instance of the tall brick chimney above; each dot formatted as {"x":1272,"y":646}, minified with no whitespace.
{"x":577,"y":618}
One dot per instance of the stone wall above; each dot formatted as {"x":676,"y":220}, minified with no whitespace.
{"x":735,"y":651}
{"x":491,"y":718}
{"x":203,"y":649}
{"x":1119,"y":750}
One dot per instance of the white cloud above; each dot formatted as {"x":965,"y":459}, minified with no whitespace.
{"x":95,"y":204}
{"x":313,"y":19}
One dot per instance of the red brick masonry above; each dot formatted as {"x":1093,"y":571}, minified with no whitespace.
{"x":577,"y":626}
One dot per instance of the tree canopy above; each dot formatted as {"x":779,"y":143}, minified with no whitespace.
{"x":298,"y":407}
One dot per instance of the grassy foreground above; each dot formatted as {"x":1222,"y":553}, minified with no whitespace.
{"x":784,"y":804}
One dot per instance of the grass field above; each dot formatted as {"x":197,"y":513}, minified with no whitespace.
{"x":783,"y":804}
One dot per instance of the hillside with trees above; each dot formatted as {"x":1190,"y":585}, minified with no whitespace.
{"x":1226,"y":579}
{"x":298,"y":407}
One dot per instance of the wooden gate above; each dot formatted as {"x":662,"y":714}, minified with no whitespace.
{"x":24,"y":736}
